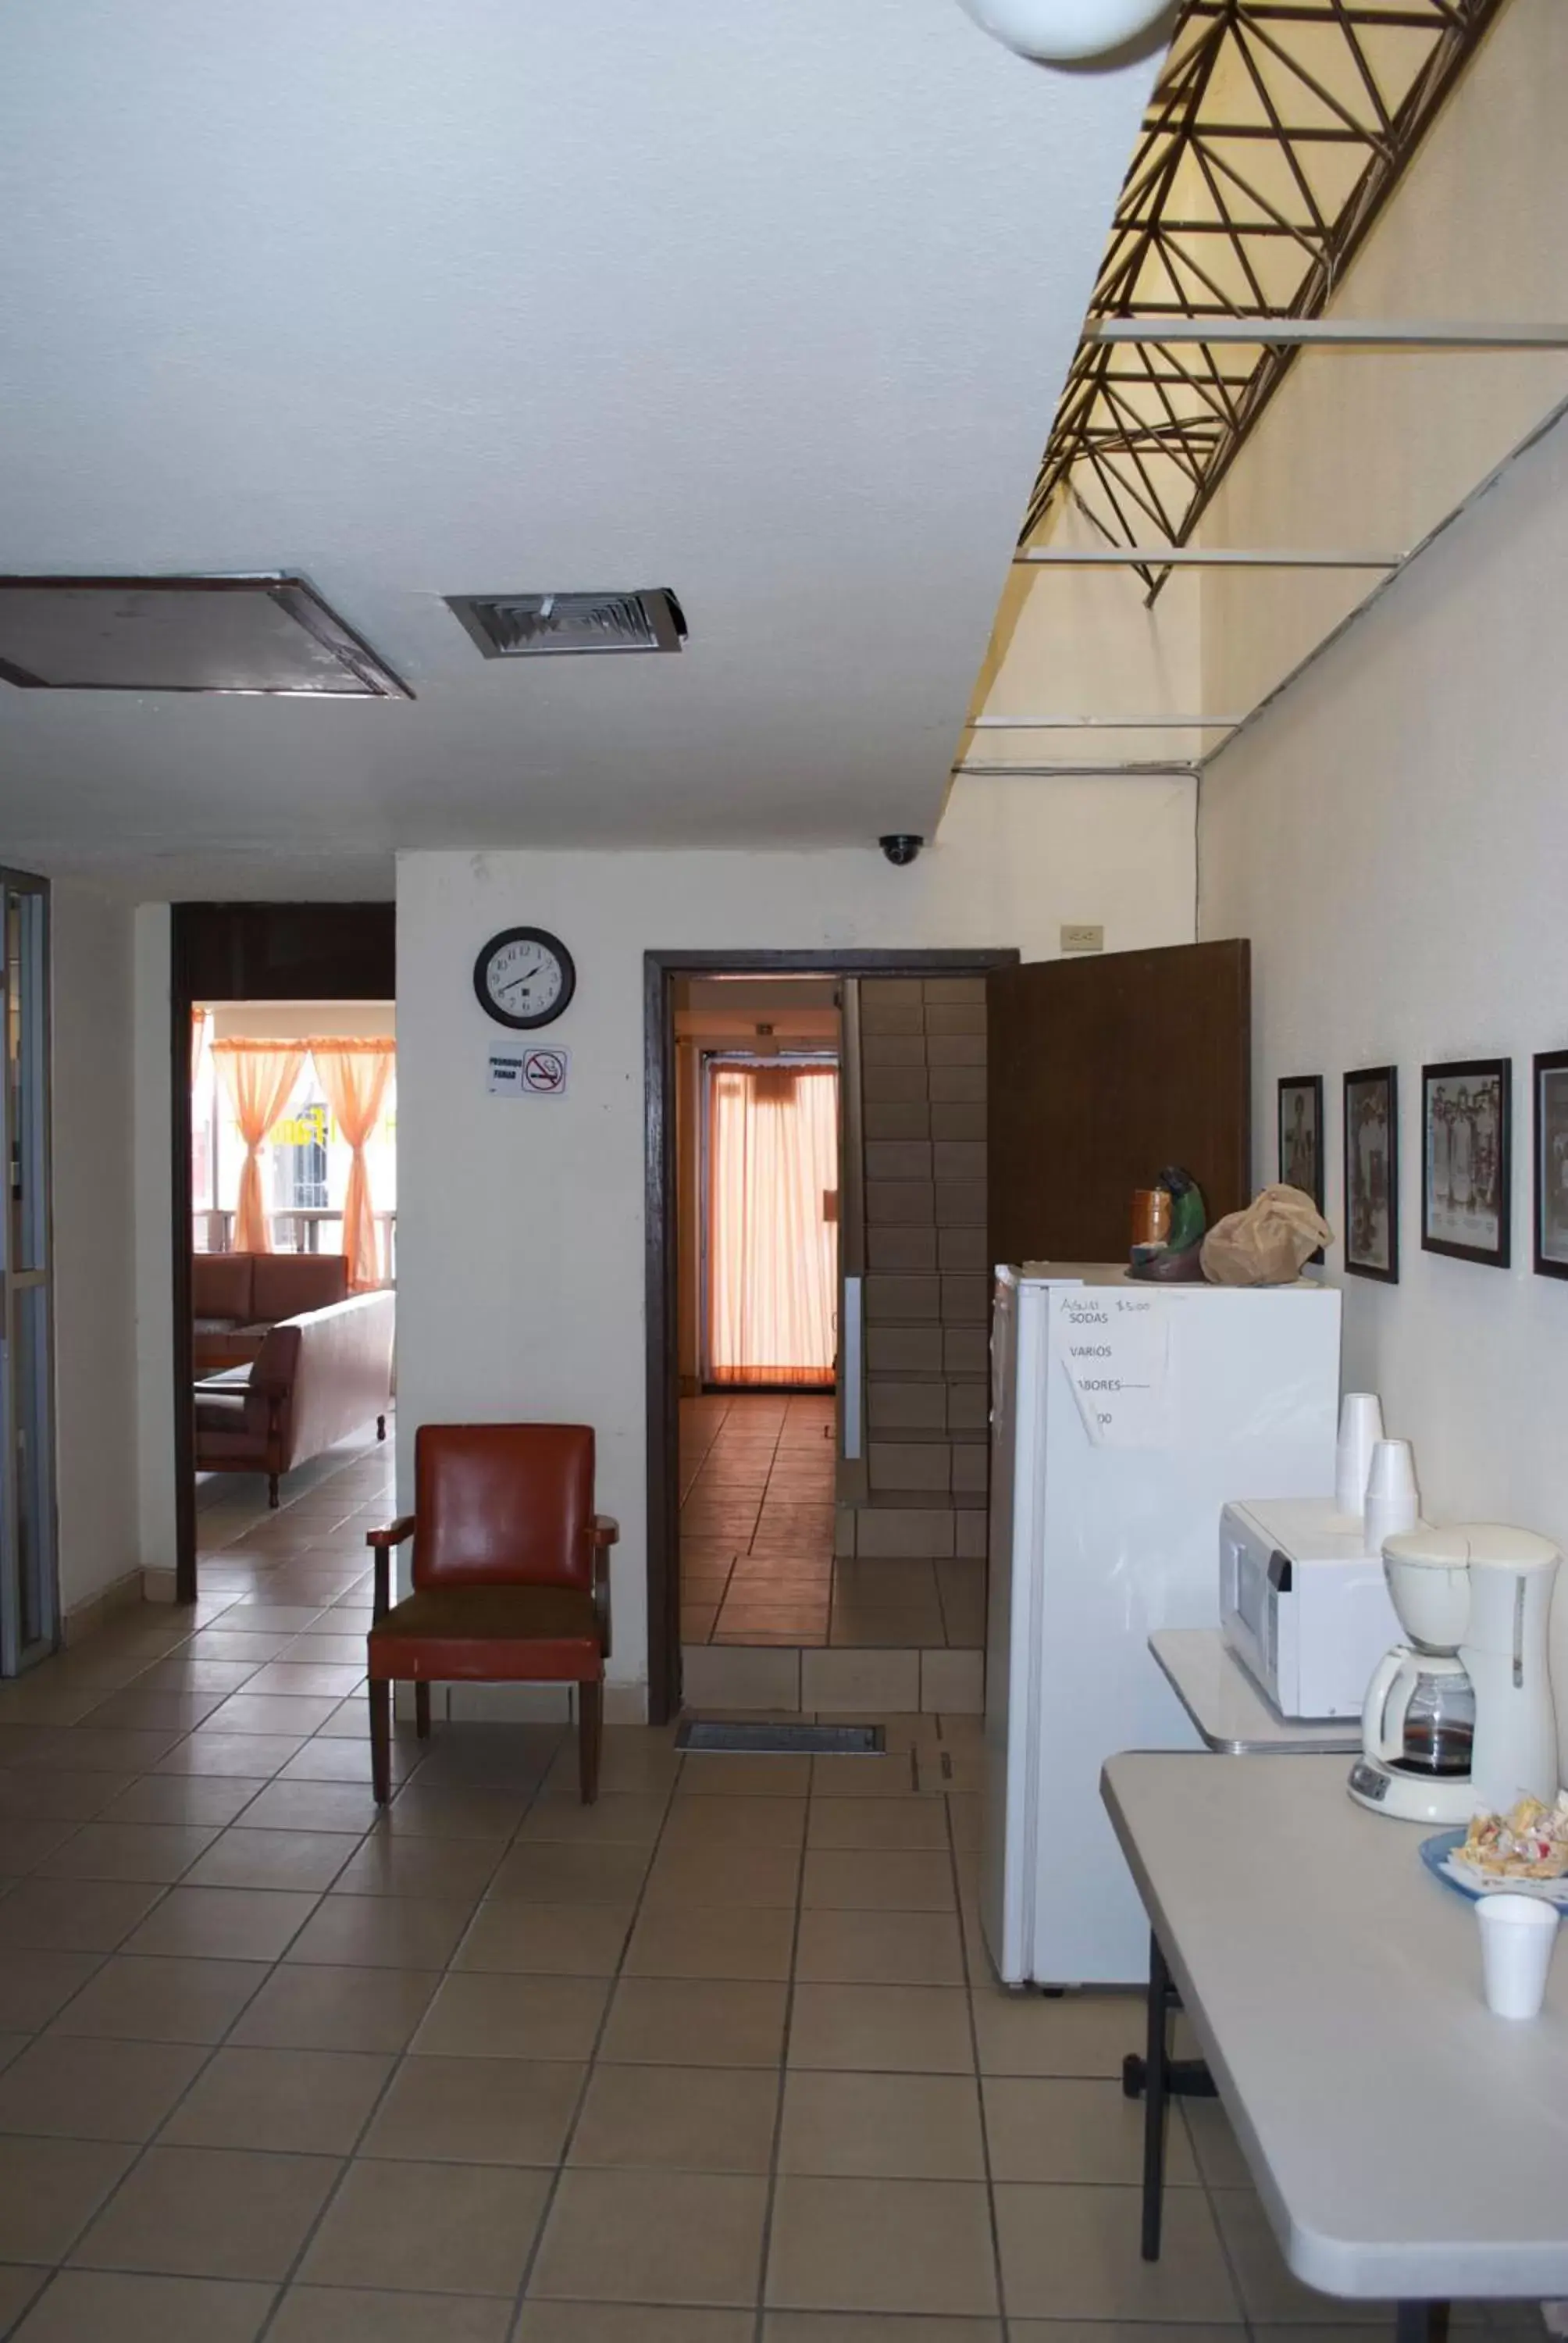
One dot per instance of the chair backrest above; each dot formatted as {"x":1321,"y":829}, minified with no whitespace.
{"x":503,"y":1505}
{"x":286,"y":1284}
{"x":221,"y":1285}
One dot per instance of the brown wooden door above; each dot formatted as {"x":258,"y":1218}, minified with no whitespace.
{"x":1102,"y":1071}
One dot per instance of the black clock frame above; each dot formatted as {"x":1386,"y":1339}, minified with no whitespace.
{"x":520,"y":935}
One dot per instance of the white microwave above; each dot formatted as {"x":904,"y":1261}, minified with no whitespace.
{"x":1302,"y":1604}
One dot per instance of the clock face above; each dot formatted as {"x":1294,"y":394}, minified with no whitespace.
{"x":524,"y":977}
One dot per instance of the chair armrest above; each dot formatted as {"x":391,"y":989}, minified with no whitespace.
{"x":381,"y":1543}
{"x":606,"y":1533}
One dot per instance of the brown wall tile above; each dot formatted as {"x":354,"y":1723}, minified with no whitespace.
{"x":907,"y":1407}
{"x":960,"y":1204}
{"x":910,"y":1465}
{"x":958,"y":1159}
{"x":901,"y":991}
{"x":969,"y":1537}
{"x":969,"y":1407}
{"x":912,"y":1122}
{"x":904,"y":1350}
{"x":956,"y":1016}
{"x":878,"y":1016}
{"x":966,"y":1351}
{"x":954,"y":1049}
{"x":902,"y":1249}
{"x":956,"y":1085}
{"x":899,"y":1203}
{"x":902,"y":1159}
{"x":891,"y":1299}
{"x":971,"y":1468}
{"x":966,"y":1300}
{"x":955,"y":988}
{"x":955,"y":1122}
{"x":962,"y":1249}
{"x":894,"y":1085}
{"x":903,"y":1533}
{"x":895,"y":1049}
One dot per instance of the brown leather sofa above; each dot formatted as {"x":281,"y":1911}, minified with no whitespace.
{"x":236,"y":1296}
{"x":316,"y":1378}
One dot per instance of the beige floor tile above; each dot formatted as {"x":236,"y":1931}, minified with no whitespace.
{"x":543,"y":1939}
{"x":1072,"y":2253}
{"x":697,"y":1822}
{"x":71,"y":2089}
{"x":308,"y":1677}
{"x":741,"y":1775}
{"x":553,"y":1873}
{"x":72,"y":1916}
{"x":700,"y":2118}
{"x":456,"y":1869}
{"x":695,"y":2022}
{"x":92,"y":2306}
{"x":1268,"y":2290}
{"x":320,"y":2314}
{"x":429,"y":2228}
{"x":169,"y":1710}
{"x":881,"y":2244}
{"x":49,"y":2190}
{"x":28,"y":1839}
{"x":348,"y":1761}
{"x":423,"y":1811}
{"x":17,"y":2287}
{"x":1058,"y":2129}
{"x":477,"y":2111}
{"x":766,"y":1877}
{"x":294,"y":1805}
{"x":653,"y":2237}
{"x":223,"y":1924}
{"x":889,"y":1823}
{"x":1080,"y":2034}
{"x":70,"y":1797}
{"x":630,"y":2322}
{"x":711,"y":1940}
{"x":880,"y":1948}
{"x":184,"y":1798}
{"x":79,"y":1749}
{"x":377,"y":1932}
{"x":1085,"y":2330}
{"x":853,"y":2327}
{"x":300,"y":1860}
{"x":886,"y":2029}
{"x":204,"y":2212}
{"x":618,"y":1818}
{"x":139,"y":1999}
{"x":312,"y":2009}
{"x":475,"y":2016}
{"x":1214,"y":2143}
{"x":35,"y":1984}
{"x":248,"y":1753}
{"x":12,"y":2046}
{"x":858,"y":1880}
{"x":890,"y":1775}
{"x":312,"y":2102}
{"x":886,"y":2126}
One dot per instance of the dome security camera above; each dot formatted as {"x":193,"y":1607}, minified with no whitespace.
{"x":900,"y":847}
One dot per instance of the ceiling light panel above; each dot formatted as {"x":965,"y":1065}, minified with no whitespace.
{"x":268,"y":634}
{"x":552,"y":626}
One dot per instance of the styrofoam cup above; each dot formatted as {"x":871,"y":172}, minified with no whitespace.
{"x":1517,"y":1937}
{"x":1360,"y":1426}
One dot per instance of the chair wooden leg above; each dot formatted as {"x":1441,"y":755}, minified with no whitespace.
{"x":380,"y":1692}
{"x":272,"y":1491}
{"x":381,"y":1427}
{"x":591,"y":1733}
{"x":422,"y":1711}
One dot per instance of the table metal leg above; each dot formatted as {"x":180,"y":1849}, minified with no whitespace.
{"x":1421,"y":2322}
{"x":1155,"y":2064}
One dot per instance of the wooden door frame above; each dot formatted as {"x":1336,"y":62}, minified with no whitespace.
{"x":246,"y":952}
{"x":660,"y":971}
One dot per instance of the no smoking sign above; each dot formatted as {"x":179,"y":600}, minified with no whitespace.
{"x":528,"y":1073}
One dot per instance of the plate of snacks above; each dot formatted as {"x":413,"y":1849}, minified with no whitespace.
{"x":1521,"y":1853}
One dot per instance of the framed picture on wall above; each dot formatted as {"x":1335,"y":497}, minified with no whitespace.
{"x":1465,"y":1159}
{"x":1552,"y":1165}
{"x":1300,"y":1112}
{"x":1372,"y":1173}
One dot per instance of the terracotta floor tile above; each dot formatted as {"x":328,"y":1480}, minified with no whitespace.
{"x":67,"y":2088}
{"x":477,"y":2111}
{"x":479,"y":2017}
{"x":92,"y":2306}
{"x":209,"y":2213}
{"x":429,"y":2228}
{"x":881,"y":2244}
{"x":323,"y":2008}
{"x":320,"y":2314}
{"x":696,"y":2119}
{"x":136,"y":1999}
{"x":892,"y":2126}
{"x":315,"y":2102}
{"x":652,"y":2236}
{"x":1072,"y":2253}
{"x":698,"y":2022}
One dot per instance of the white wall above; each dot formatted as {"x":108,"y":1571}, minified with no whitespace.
{"x":94,"y":1099}
{"x":521,"y":1221}
{"x":1394,"y":836}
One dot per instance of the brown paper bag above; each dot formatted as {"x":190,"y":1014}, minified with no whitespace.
{"x":1266,"y":1244}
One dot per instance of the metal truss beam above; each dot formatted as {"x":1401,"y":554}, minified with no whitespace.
{"x":1103,"y":723}
{"x":1337,"y":333}
{"x":1196,"y":556}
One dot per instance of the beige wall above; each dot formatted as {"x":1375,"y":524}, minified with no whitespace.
{"x":94,"y":1099}
{"x":521,"y":1221}
{"x":1394,"y":836}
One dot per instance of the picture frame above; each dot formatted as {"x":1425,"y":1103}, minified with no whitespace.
{"x":1466,"y":1160}
{"x":1551,"y":1186}
{"x":1372,"y":1173}
{"x":1299,"y":1118}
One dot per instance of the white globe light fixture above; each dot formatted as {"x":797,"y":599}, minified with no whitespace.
{"x":1068,"y":32}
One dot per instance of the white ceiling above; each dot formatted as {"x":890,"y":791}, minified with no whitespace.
{"x":769,"y":303}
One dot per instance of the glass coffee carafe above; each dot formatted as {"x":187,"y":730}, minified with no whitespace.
{"x":1431,"y":1711}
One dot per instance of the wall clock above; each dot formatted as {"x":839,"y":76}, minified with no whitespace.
{"x":524,"y":978}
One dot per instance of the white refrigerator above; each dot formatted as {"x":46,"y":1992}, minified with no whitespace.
{"x":1123,"y":1417}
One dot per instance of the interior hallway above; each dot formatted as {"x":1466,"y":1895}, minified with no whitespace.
{"x":716,"y":2061}
{"x":757,"y":1562}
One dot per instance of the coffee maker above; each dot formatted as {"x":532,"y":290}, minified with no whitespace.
{"x":1460,"y":1716}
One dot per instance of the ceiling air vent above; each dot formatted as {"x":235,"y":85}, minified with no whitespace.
{"x":545,"y":625}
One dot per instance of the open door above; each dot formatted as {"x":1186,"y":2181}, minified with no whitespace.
{"x":1103,"y":1069}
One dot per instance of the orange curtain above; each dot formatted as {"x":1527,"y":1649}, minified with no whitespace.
{"x":772,"y":1248}
{"x":259,"y":1077}
{"x":355,"y":1075}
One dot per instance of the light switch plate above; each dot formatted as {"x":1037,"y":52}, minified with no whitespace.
{"x":1081,"y":939}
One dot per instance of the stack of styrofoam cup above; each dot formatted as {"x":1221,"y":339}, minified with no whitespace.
{"x":1392,"y":1499}
{"x":1361,"y":1429}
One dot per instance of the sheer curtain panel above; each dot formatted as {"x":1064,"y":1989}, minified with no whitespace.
{"x":259,"y":1077}
{"x":772,"y":1247}
{"x":355,"y":1075}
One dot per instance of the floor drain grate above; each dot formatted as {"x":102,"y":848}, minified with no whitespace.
{"x":701,"y":1739}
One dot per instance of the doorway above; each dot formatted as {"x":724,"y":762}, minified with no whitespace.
{"x":29,"y":1598}
{"x":763,"y":1443}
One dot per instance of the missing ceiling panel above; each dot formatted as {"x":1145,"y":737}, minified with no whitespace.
{"x":545,"y":626}
{"x":265,"y":634}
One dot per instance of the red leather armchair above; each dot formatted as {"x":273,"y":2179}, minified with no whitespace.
{"x":511,"y":1577}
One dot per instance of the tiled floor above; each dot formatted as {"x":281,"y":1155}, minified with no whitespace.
{"x":756,"y":1561}
{"x":715,"y":2062}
